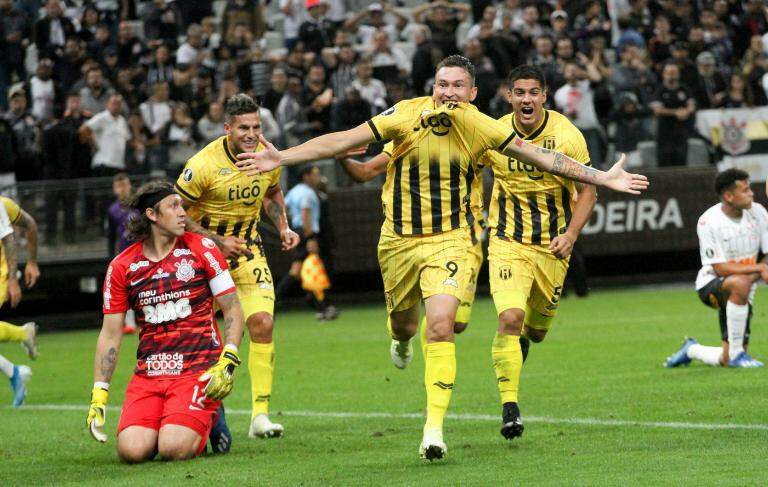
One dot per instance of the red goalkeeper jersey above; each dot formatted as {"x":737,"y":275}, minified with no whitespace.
{"x":173,"y":302}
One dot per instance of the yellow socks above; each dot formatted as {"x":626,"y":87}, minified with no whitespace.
{"x":12,"y":333}
{"x":261,"y":366}
{"x":507,"y":363}
{"x":439,"y":376}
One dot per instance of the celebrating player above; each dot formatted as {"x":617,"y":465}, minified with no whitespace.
{"x":170,"y":278}
{"x":12,"y":214}
{"x":533,"y":225}
{"x":731,"y":234}
{"x":424,"y":241}
{"x":225,"y":204}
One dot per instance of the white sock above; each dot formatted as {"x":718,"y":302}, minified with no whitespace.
{"x":130,"y":319}
{"x":737,"y":324}
{"x":6,"y":366}
{"x":708,"y":355}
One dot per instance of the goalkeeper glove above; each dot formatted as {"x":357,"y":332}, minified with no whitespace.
{"x":97,"y":414}
{"x":220,"y":376}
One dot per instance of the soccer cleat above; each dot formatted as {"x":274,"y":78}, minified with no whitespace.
{"x":744,"y":361}
{"x":512,"y":424}
{"x":30,"y":344}
{"x":220,"y":438}
{"x":262,"y":427}
{"x":525,"y":344}
{"x":19,"y":379}
{"x":432,"y":445}
{"x":330,"y":313}
{"x":681,"y":356}
{"x":401,"y":352}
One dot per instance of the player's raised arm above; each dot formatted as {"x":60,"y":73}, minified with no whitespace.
{"x":615,"y":178}
{"x":323,"y":147}
{"x":107,"y":349}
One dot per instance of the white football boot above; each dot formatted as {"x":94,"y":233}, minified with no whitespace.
{"x":402,"y":353}
{"x":262,"y":427}
{"x":30,"y":344}
{"x":432,"y":445}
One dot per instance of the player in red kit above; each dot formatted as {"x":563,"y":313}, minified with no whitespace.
{"x":170,"y":278}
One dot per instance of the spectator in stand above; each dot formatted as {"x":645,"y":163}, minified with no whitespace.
{"x":738,"y":94}
{"x":161,"y":69}
{"x":211,"y":126}
{"x":192,"y":51}
{"x":162,"y":23}
{"x":128,"y":89}
{"x":255,"y":75}
{"x":709,"y":91}
{"x":239,"y":44}
{"x":181,"y":86}
{"x":129,"y":47}
{"x":211,"y":37}
{"x":350,"y":111}
{"x":486,"y":76}
{"x":371,"y":89}
{"x":156,"y":111}
{"x":631,"y":127}
{"x":317,"y":31}
{"x":681,"y":56}
{"x":543,"y":55}
{"x":754,"y":65}
{"x":696,"y":42}
{"x":180,"y":139}
{"x":576,"y":100}
{"x":376,"y":23}
{"x":269,"y":125}
{"x":143,"y":154}
{"x":673,"y":107}
{"x":110,"y":65}
{"x":89,"y":20}
{"x":107,"y":133}
{"x":14,"y":28}
{"x":752,"y":22}
{"x":442,"y":18}
{"x":247,"y":12}
{"x":291,"y":114}
{"x":95,"y":93}
{"x":277,"y":85}
{"x":631,"y":74}
{"x":51,"y":31}
{"x":531,"y":27}
{"x":660,"y":45}
{"x":343,"y":68}
{"x":101,"y":41}
{"x":318,"y":97}
{"x":488,"y":19}
{"x":68,"y":68}
{"x":43,"y":91}
{"x":294,"y":15}
{"x":425,"y":59}
{"x":389,"y":63}
{"x":721,"y":45}
{"x":590,"y":24}
{"x":26,"y":134}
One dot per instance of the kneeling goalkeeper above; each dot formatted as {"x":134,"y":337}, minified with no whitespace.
{"x":170,"y":278}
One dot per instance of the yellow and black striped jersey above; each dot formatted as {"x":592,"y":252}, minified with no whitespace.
{"x":474,"y":214}
{"x":433,"y":167}
{"x":223,"y":199}
{"x":528,"y":205}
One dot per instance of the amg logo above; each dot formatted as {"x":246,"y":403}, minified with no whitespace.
{"x":634,"y":216}
{"x":168,"y":311}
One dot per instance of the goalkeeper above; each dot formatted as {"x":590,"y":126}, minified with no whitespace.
{"x":170,"y":278}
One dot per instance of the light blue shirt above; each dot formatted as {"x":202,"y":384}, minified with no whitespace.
{"x":298,"y":198}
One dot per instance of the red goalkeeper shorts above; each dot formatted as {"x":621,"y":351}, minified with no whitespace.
{"x":153,"y":403}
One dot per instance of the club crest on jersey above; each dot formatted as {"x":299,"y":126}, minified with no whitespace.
{"x":188,"y":175}
{"x":185,"y":272}
{"x":208,"y":243}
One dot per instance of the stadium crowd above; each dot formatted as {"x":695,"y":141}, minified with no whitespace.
{"x":92,"y":88}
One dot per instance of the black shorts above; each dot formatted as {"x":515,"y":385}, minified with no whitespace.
{"x":712,"y":295}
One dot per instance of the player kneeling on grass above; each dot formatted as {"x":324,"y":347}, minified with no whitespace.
{"x":731,"y":234}
{"x":170,"y":278}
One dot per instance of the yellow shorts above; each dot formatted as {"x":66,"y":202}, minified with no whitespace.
{"x":3,"y":280}
{"x":415,"y":268}
{"x":255,"y":288}
{"x":474,"y":262}
{"x":526,"y":277}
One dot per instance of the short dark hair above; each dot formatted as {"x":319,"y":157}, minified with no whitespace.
{"x":527,"y":71}
{"x":139,"y":226}
{"x":121,"y":176}
{"x":239,"y":104}
{"x":306,"y":170}
{"x":726,"y":180}
{"x":458,"y":61}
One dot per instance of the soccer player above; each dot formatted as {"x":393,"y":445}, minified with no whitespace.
{"x":424,"y":239}
{"x":170,"y":278}
{"x":533,"y":223}
{"x":731,"y":234}
{"x":12,"y":214}
{"x":225,"y":204}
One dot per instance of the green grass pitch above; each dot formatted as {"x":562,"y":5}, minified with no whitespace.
{"x":598,"y":406}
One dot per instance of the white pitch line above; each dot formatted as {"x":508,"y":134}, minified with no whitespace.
{"x":461,"y":417}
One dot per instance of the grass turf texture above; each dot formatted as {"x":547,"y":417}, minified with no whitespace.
{"x":601,"y":361}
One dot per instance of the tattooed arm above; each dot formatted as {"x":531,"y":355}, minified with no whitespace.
{"x":234,"y":322}
{"x":31,"y":270}
{"x":274,"y":207}
{"x":14,"y":290}
{"x":557,"y":163}
{"x":108,"y":347}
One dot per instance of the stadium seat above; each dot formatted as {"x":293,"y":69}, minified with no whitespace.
{"x":698,"y":153}
{"x":647,"y":150}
